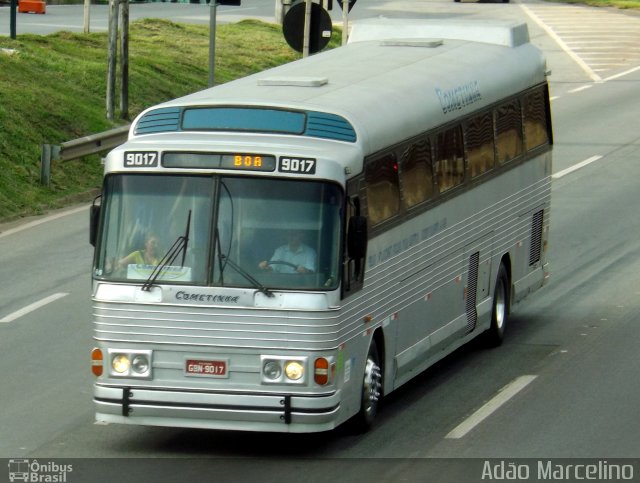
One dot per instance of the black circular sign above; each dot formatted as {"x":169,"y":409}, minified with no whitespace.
{"x":351,"y":3}
{"x":319,"y":33}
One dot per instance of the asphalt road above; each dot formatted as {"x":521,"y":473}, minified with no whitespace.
{"x":70,"y":17}
{"x":572,"y":347}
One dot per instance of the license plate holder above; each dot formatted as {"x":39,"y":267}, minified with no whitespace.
{"x":215,"y":368}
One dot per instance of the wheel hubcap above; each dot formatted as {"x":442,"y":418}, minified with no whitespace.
{"x":501,"y":305}
{"x":371,"y":387}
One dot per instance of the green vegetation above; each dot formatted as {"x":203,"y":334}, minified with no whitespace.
{"x":53,"y":89}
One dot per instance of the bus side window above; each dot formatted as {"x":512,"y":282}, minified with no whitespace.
{"x":480,"y":146}
{"x":535,"y":120}
{"x":415,"y":173}
{"x":509,"y":131}
{"x":383,"y":190}
{"x":449,"y":163}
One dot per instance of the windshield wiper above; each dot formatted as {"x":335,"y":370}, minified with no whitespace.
{"x":180,"y":245}
{"x":246,"y":275}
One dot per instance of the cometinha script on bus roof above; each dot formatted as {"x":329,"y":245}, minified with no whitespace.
{"x":459,"y":97}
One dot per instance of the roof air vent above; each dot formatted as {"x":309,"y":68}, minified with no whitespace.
{"x":293,"y":81}
{"x":431,"y":44}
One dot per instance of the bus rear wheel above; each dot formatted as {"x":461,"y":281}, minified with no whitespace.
{"x":371,"y":392}
{"x":500,"y":311}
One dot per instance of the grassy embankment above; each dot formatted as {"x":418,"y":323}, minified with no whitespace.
{"x":52,"y":90}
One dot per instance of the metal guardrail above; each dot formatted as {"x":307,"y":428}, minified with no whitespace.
{"x":93,"y":144}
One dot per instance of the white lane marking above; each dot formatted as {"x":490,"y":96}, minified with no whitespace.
{"x":579,"y":89}
{"x":504,"y":395}
{"x":575,"y":167}
{"x":621,"y":74}
{"x":26,"y":226}
{"x":592,"y":75}
{"x":34,"y":306}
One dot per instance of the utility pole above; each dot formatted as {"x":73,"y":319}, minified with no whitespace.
{"x":213,"y":5}
{"x":112,"y":57}
{"x":87,"y":5}
{"x":124,"y":59}
{"x":12,"y":21}
{"x":118,"y":18}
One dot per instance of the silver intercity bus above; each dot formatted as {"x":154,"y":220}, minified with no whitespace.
{"x":279,"y":252}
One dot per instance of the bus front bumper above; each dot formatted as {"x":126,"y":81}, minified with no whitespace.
{"x":217,"y":410}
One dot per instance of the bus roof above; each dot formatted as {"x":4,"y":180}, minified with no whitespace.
{"x":379,"y":89}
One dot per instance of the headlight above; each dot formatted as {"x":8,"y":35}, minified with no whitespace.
{"x":272,"y":370}
{"x":294,"y":370}
{"x":130,"y":363}
{"x":283,"y":370}
{"x":140,"y":364}
{"x":120,"y":364}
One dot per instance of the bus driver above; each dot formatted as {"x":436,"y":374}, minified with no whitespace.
{"x":294,"y":256}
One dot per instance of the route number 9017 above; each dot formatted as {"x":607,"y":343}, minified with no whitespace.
{"x":140,"y":159}
{"x":297,"y":165}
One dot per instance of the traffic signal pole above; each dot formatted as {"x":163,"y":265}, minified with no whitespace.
{"x":307,"y":29}
{"x":345,"y":21}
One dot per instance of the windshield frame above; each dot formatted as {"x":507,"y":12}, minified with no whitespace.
{"x":319,"y":206}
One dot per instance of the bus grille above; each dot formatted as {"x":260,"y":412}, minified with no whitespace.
{"x":472,"y":289}
{"x":536,"y":237}
{"x":219,"y":327}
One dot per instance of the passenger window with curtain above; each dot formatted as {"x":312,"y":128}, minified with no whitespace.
{"x":449,"y":162}
{"x":415,"y":173}
{"x":383,"y":190}
{"x":509,"y":131}
{"x":535,"y":120}
{"x":480,"y":146}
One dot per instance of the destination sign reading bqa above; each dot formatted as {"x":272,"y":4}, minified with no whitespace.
{"x":233,"y":161}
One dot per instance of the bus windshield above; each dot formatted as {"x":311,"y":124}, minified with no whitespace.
{"x":227,"y":231}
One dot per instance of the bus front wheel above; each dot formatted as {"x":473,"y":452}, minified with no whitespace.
{"x":371,"y":392}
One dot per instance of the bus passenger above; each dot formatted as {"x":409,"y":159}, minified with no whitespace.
{"x":147,"y":256}
{"x":292,"y":257}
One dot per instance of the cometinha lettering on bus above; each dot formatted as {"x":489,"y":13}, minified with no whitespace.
{"x":459,"y":97}
{"x":204,"y":297}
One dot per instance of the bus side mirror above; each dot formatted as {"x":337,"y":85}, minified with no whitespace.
{"x":94,"y":217}
{"x":353,"y":271}
{"x":357,"y":237}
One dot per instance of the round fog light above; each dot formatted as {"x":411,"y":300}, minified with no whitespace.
{"x":120,"y":363}
{"x":140,"y":364}
{"x":294,"y":370}
{"x":272,"y":370}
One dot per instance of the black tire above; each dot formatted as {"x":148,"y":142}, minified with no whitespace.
{"x":500,"y":310}
{"x":371,"y":392}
